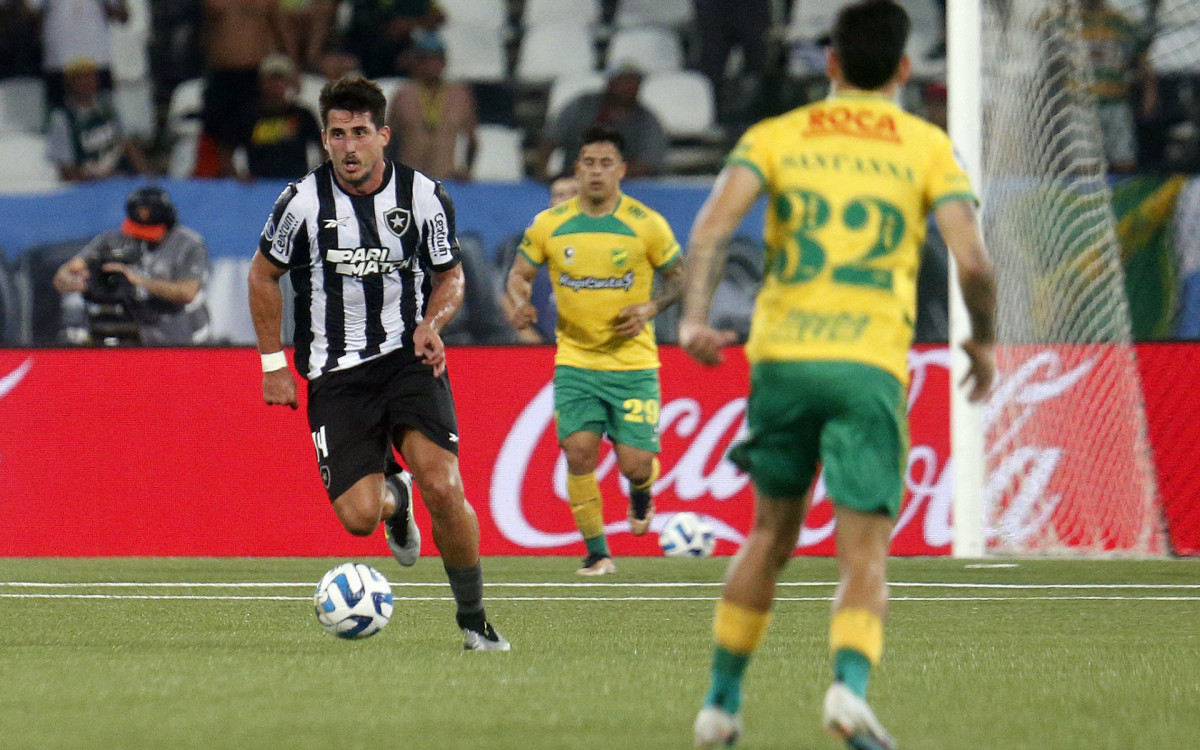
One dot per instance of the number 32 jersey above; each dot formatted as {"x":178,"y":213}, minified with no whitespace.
{"x":850,"y":181}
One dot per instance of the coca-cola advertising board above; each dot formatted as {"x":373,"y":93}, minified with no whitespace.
{"x":172,"y":452}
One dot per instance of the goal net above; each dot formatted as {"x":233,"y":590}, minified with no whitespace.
{"x":1067,"y":461}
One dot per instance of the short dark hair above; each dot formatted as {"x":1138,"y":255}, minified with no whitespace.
{"x":604,"y":134}
{"x":869,"y":39}
{"x":353,"y":94}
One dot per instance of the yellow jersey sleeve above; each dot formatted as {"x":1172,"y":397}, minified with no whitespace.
{"x":533,"y":243}
{"x":662,"y":249}
{"x":947,"y":179}
{"x":753,"y":150}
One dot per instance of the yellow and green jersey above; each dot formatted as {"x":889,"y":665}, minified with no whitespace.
{"x":851,"y":181}
{"x":597,"y":266}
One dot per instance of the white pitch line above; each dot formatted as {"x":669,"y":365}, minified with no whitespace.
{"x":589,"y":584}
{"x":215,"y":597}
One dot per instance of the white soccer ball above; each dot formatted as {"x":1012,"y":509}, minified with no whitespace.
{"x":353,"y":601}
{"x":687,"y":535}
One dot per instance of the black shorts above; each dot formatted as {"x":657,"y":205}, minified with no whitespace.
{"x":353,"y":414}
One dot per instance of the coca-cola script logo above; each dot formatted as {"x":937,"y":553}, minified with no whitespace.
{"x":698,"y":473}
{"x":1063,"y":427}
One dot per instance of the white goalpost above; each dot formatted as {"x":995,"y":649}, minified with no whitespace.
{"x":1057,"y":461}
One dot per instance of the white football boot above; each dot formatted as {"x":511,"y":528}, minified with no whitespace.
{"x":403,"y":536}
{"x":715,"y":728}
{"x":848,"y":717}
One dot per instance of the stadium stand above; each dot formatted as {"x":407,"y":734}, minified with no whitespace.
{"x":499,"y":156}
{"x":22,"y":104}
{"x":474,"y":52}
{"x":587,"y":12}
{"x":491,"y":14}
{"x":549,"y":50}
{"x":568,"y":86}
{"x":667,"y":13}
{"x":26,"y":167}
{"x":683,"y":102}
{"x":650,"y":48}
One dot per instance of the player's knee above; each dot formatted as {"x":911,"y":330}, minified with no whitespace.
{"x":637,"y":469}
{"x":359,"y":518}
{"x":441,"y":492}
{"x":580,"y":461}
{"x":359,"y":524}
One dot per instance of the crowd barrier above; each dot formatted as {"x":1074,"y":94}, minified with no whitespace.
{"x":171,"y":452}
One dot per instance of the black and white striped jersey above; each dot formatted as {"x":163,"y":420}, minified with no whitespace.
{"x":361,"y":266}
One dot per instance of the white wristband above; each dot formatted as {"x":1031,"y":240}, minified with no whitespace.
{"x":274,"y":361}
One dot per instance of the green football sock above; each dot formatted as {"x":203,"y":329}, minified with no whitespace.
{"x":725,"y":689}
{"x":597,"y":545}
{"x":853,"y":669}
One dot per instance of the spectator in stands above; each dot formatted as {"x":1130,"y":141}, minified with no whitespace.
{"x":430,"y":114}
{"x":84,"y":137}
{"x":726,"y":25}
{"x":1117,"y":50}
{"x":281,"y":138}
{"x":238,"y":36}
{"x":380,"y":32}
{"x":618,"y":107}
{"x":74,"y":29}
{"x":307,"y":26}
{"x":145,"y":282}
{"x":563,"y":188}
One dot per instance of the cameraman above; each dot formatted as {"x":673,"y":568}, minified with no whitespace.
{"x":143,"y":284}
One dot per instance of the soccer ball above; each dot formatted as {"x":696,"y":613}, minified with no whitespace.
{"x":353,"y":601}
{"x":687,"y":535}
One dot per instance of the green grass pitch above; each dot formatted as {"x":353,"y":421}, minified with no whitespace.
{"x":1102,"y":655}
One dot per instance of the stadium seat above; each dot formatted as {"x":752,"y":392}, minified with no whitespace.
{"x":310,"y":92}
{"x":492,"y":14}
{"x":387,"y":84}
{"x":474,"y":52}
{"x":499,"y":156}
{"x":134,"y":103}
{"x":26,"y":168}
{"x":668,"y":13}
{"x":549,"y":50}
{"x":651,"y":48}
{"x":22,"y":104}
{"x":182,"y":162}
{"x":566,"y":87}
{"x":538,"y":12}
{"x":183,"y":111}
{"x":683,"y":102}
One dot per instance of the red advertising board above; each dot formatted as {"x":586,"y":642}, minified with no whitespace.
{"x":172,"y":452}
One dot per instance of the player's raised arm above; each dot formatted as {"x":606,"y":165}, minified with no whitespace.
{"x":960,"y":228}
{"x":732,"y":196}
{"x":266,"y":311}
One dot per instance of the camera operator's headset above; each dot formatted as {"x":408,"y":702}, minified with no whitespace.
{"x":148,"y":207}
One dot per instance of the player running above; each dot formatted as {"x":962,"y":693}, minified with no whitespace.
{"x":850,"y":181}
{"x":602,"y":249}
